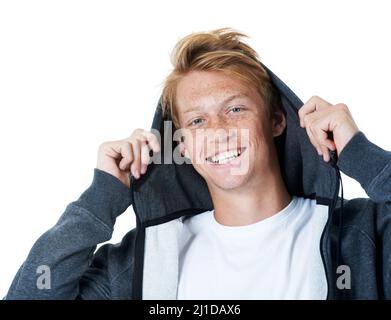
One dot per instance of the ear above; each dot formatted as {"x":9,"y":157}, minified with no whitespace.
{"x":278,"y":122}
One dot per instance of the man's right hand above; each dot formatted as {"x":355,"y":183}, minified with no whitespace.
{"x":131,"y":154}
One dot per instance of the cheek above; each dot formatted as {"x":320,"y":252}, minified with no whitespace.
{"x":193,"y":148}
{"x":255,"y":130}
{"x":259,"y":138}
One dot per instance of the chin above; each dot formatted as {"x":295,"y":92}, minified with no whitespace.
{"x":228,"y":182}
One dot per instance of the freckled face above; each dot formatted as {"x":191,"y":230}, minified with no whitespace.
{"x":228,"y":134}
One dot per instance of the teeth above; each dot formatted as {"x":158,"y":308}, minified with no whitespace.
{"x":225,"y":157}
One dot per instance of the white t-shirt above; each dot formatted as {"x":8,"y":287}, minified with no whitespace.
{"x":275,"y":258}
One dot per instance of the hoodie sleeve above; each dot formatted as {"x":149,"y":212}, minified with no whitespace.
{"x":368,"y":164}
{"x":59,"y":258}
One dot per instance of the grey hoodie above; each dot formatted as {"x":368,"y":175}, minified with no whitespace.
{"x":145,"y":264}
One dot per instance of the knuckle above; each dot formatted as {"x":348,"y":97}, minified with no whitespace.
{"x":104,"y":145}
{"x":136,"y":133}
{"x":343,"y":107}
{"x":126,"y":145}
{"x":139,"y":131}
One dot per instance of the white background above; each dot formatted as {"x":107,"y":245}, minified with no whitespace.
{"x":76,"y":73}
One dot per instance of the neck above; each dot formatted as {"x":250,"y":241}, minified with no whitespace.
{"x":259,"y":199}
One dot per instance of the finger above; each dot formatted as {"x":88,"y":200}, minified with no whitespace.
{"x":136,"y":164}
{"x":326,"y":154}
{"x":121,"y":150}
{"x":144,"y":157}
{"x":152,"y":140}
{"x":313,"y":140}
{"x":313,"y":104}
{"x":319,"y":123}
{"x":111,"y":149}
{"x":127,"y":156}
{"x":308,"y":124}
{"x":323,"y":138}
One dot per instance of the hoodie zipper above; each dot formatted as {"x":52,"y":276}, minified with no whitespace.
{"x":138,"y":254}
{"x":326,"y":231}
{"x":138,"y":271}
{"x":322,"y":251}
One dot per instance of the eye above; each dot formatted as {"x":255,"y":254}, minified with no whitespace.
{"x":235,"y":109}
{"x":196,"y":121}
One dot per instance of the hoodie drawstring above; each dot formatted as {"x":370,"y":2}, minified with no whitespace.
{"x":333,"y":162}
{"x":340,"y":221}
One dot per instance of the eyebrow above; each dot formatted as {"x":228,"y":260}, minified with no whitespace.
{"x":225,"y":101}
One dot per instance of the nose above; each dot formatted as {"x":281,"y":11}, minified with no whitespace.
{"x":221,"y":132}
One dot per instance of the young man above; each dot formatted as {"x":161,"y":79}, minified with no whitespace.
{"x":255,"y":215}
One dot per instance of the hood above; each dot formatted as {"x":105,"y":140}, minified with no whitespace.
{"x":168,"y":191}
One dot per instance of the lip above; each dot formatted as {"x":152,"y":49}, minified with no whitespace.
{"x":230,"y":163}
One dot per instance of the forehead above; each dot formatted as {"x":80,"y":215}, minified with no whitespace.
{"x":206,"y":87}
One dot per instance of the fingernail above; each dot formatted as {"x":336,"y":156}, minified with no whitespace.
{"x":134,"y":173}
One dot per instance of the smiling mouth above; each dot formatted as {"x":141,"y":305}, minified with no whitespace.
{"x":226,"y":156}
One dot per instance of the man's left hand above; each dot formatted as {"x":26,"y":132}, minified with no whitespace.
{"x":319,"y":117}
